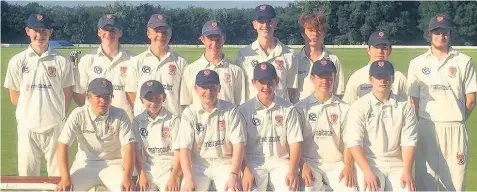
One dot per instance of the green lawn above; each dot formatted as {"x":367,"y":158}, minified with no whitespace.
{"x":352,"y":59}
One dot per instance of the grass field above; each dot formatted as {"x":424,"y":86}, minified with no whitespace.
{"x":352,"y":59}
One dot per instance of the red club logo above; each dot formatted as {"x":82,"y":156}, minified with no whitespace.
{"x":381,"y":63}
{"x":263,"y":66}
{"x":263,"y":7}
{"x":452,"y":71}
{"x":279,"y":119}
{"x":165,"y":132}
{"x":39,"y":17}
{"x":213,"y":24}
{"x":206,"y":72}
{"x":221,"y":125}
{"x":334,"y":118}
{"x":440,"y":19}
{"x":279,"y":64}
{"x":227,"y":77}
{"x":323,"y":63}
{"x":380,"y":35}
{"x":109,"y":16}
{"x":110,"y":130}
{"x":124,"y":70}
{"x":51,"y":71}
{"x":160,"y":17}
{"x":460,"y":158}
{"x":172,"y":69}
{"x":149,"y":83}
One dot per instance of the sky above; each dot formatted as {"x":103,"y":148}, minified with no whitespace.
{"x":166,"y":4}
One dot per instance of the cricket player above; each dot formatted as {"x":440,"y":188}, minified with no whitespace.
{"x":159,"y":63}
{"x":102,"y":131}
{"x":212,"y":139}
{"x":273,"y":136}
{"x":381,"y":134}
{"x":109,"y":61}
{"x":313,"y":31}
{"x":157,"y":161}
{"x":323,"y":120}
{"x":379,"y":48}
{"x":232,"y":78}
{"x":39,"y":80}
{"x":269,"y":49}
{"x":442,"y":85}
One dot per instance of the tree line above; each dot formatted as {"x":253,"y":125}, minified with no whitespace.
{"x":350,"y":22}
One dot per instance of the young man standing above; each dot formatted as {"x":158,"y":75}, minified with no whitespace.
{"x":269,"y":49}
{"x":40,"y":82}
{"x":323,"y":120}
{"x":273,"y":136}
{"x":442,"y":85}
{"x":212,"y":139}
{"x":379,"y":48}
{"x":232,"y":78}
{"x":159,"y":63}
{"x":381,"y":134}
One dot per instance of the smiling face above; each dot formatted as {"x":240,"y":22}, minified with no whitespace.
{"x":153,"y":102}
{"x":265,"y":28}
{"x":208,"y":94}
{"x":323,"y":82}
{"x":39,"y":36}
{"x":265,"y":88}
{"x":440,"y":38}
{"x":99,"y":103}
{"x":159,"y":36}
{"x":109,"y":35}
{"x":213,"y":43}
{"x":381,"y":83}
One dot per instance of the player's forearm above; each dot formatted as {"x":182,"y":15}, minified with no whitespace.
{"x":185,"y":162}
{"x":407,"y":158}
{"x":63,"y":159}
{"x":295,"y":154}
{"x":68,"y":91}
{"x":14,"y":96}
{"x":469,"y":104}
{"x":415,"y":104}
{"x":139,"y":163}
{"x":176,"y":164}
{"x":360,"y":158}
{"x":348,"y":158}
{"x":237,"y":158}
{"x":129,"y":154}
{"x":79,"y":99}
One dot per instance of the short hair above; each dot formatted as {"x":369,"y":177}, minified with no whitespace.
{"x":315,"y":20}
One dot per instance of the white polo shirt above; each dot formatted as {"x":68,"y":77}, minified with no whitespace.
{"x":281,"y":58}
{"x":381,"y":129}
{"x":358,"y":85}
{"x":100,"y":138}
{"x":156,"y":137}
{"x":212,"y":135}
{"x":270,"y":130}
{"x":96,"y":64}
{"x":167,"y":70}
{"x":40,"y":80}
{"x":305,"y":86}
{"x":441,"y":86}
{"x":323,"y":126}
{"x":232,"y":81}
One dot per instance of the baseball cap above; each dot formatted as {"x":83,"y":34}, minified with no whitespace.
{"x":381,"y":67}
{"x":110,"y":19}
{"x":264,"y":71}
{"x":38,"y":21}
{"x":157,"y":20}
{"x":323,"y":66}
{"x":151,"y":86}
{"x":439,"y":21}
{"x":378,"y":38}
{"x":212,"y":27}
{"x":206,"y":77}
{"x":264,"y":12}
{"x":100,"y":86}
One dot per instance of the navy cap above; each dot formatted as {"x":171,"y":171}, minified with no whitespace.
{"x":439,"y":21}
{"x":100,"y":86}
{"x":110,"y":19}
{"x":264,"y":12}
{"x":151,"y":86}
{"x":381,"y":67}
{"x":212,"y":27}
{"x":157,"y":20}
{"x":207,"y":77}
{"x":38,"y":21}
{"x":323,"y":66}
{"x":264,"y":71}
{"x":378,"y":38}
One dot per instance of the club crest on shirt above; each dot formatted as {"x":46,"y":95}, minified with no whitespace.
{"x":166,"y":132}
{"x":146,"y":69}
{"x":221,"y":125}
{"x":452,"y":71}
{"x":426,"y":71}
{"x":110,"y":130}
{"x":144,"y":132}
{"x":124,"y":70}
{"x":199,"y":127}
{"x":279,"y":120}
{"x":227,"y":77}
{"x":254,"y":63}
{"x":51,"y":71}
{"x":312,"y":116}
{"x":256,"y":121}
{"x":279,"y":64}
{"x":460,"y":158}
{"x":172,"y":69}
{"x":334,"y":118}
{"x":97,"y":69}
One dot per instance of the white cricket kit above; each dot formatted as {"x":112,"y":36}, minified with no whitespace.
{"x":156,"y":138}
{"x":167,"y":70}
{"x":305,"y":86}
{"x":322,"y":149}
{"x":381,"y":130}
{"x":210,"y":137}
{"x":270,"y":130}
{"x":281,"y":58}
{"x":441,"y":87}
{"x":358,"y":85}
{"x":40,"y":112}
{"x":96,"y":64}
{"x":232,"y":81}
{"x":100,"y":140}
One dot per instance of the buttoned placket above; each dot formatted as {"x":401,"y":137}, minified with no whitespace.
{"x":158,"y":62}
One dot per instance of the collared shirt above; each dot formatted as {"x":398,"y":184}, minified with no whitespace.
{"x":282,"y":59}
{"x":441,"y":86}
{"x":96,"y":64}
{"x":305,"y":86}
{"x":232,"y":81}
{"x":40,"y":80}
{"x":323,"y":125}
{"x":100,"y":138}
{"x":167,"y":70}
{"x":358,"y":85}
{"x":270,"y":130}
{"x":211,"y":135}
{"x":381,"y":129}
{"x":157,"y":138}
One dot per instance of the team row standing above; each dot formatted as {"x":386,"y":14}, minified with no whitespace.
{"x":293,"y":74}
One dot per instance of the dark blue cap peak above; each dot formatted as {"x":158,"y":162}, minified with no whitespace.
{"x":381,"y":67}
{"x":100,"y":86}
{"x":151,"y":86}
{"x":323,"y":66}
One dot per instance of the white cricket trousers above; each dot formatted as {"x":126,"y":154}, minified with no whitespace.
{"x":158,"y":174}
{"x":389,"y":172}
{"x":441,"y":156}
{"x":203,"y":173}
{"x":271,"y":172}
{"x":88,"y":174}
{"x":33,"y":147}
{"x":327,"y":176}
